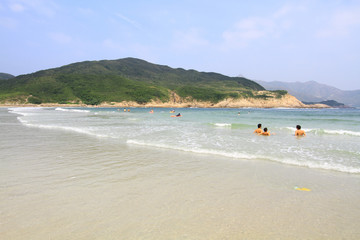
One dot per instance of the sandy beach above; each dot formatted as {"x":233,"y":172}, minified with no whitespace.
{"x":179,"y":120}
{"x":53,"y":186}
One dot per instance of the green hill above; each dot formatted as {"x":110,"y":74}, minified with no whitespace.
{"x":5,"y":76}
{"x":128,"y":79}
{"x":331,"y":103}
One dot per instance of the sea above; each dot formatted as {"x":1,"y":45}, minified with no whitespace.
{"x":332,"y":142}
{"x":142,"y":173}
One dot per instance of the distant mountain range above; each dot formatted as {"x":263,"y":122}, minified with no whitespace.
{"x":312,"y":91}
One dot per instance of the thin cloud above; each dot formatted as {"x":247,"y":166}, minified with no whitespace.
{"x":109,"y":43}
{"x":257,"y":28}
{"x":43,"y":7}
{"x":342,"y":23}
{"x":16,"y":7}
{"x":86,"y":11}
{"x":60,"y":38}
{"x":288,"y":9}
{"x":190,"y":39}
{"x":9,"y":23}
{"x":247,"y":30}
{"x":128,"y":20}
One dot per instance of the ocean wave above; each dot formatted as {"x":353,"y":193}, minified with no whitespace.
{"x":323,"y":166}
{"x":28,"y":111}
{"x":238,"y":155}
{"x":196,"y":150}
{"x":222,"y":124}
{"x":71,"y":110}
{"x":63,"y":128}
{"x":333,"y":132}
{"x":230,"y":125}
{"x":342,"y":132}
{"x":320,"y":131}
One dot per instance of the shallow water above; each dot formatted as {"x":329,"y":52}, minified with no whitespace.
{"x":106,"y":174}
{"x":332,"y":140}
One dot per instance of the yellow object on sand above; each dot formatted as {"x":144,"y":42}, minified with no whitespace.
{"x":303,"y":189}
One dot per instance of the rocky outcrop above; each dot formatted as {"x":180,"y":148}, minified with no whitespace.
{"x":175,"y":101}
{"x":286,"y":101}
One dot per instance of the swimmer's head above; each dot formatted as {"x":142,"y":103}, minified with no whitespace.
{"x":259,"y":125}
{"x":298,"y":127}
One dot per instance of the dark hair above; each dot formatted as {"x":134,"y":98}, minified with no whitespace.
{"x":298,"y":127}
{"x":265,"y":129}
{"x":259,"y":125}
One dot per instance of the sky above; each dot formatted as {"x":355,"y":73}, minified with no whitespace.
{"x":268,"y":40}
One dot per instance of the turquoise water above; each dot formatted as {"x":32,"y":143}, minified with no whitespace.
{"x":332,"y":141}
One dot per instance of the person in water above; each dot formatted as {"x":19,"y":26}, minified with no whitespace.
{"x":258,"y":130}
{"x":178,"y":115}
{"x":265,"y":132}
{"x":299,"y":132}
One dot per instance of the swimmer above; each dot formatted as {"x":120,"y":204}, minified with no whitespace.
{"x":258,"y":130}
{"x":299,"y":132}
{"x":177,"y":115}
{"x":151,"y":111}
{"x":266,"y":132}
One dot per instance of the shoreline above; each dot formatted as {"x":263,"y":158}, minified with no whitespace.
{"x":141,"y":106}
{"x":166,"y":193}
{"x":287,"y":101}
{"x":164,"y":105}
{"x":102,"y":187}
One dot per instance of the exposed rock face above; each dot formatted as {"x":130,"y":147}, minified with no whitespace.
{"x":175,"y":101}
{"x":286,"y":101}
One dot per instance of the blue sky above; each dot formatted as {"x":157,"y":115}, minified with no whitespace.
{"x":303,"y":40}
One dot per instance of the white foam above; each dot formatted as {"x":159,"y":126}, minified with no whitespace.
{"x":342,"y":132}
{"x":71,"y":110}
{"x":328,"y":131}
{"x":196,"y":150}
{"x":28,"y":111}
{"x":222,"y":124}
{"x":324,"y":166}
{"x":64,"y":128}
{"x":22,"y":120}
{"x":238,"y":155}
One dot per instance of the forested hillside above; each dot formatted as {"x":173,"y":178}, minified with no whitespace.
{"x":5,"y":76}
{"x":128,"y":79}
